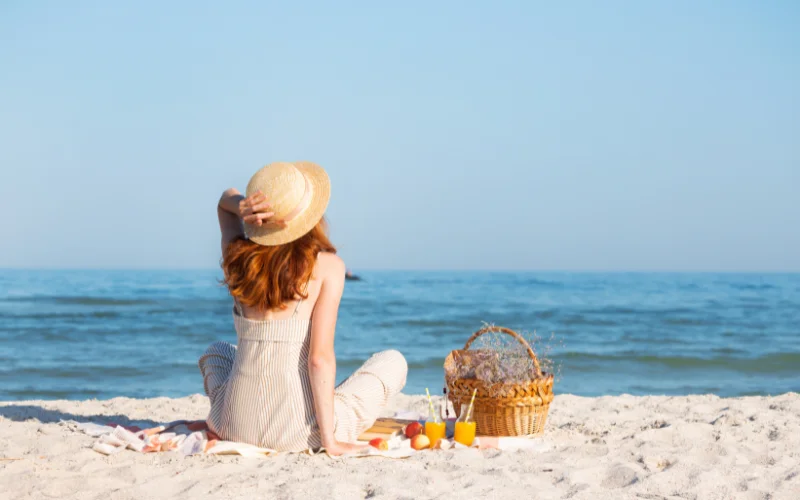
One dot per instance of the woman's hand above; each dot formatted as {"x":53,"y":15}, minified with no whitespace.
{"x":338,"y":448}
{"x":233,"y":209}
{"x":256,"y":210}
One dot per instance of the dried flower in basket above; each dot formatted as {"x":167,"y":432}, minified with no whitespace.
{"x":514,"y":393}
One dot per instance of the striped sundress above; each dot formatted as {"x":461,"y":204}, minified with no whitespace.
{"x":260,"y":390}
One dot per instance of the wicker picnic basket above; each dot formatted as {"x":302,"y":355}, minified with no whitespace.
{"x":503,"y":409}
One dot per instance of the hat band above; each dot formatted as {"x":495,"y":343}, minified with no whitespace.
{"x":304,"y":202}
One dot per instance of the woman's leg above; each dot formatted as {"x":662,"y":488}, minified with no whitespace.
{"x":358,"y":401}
{"x":216,"y":365}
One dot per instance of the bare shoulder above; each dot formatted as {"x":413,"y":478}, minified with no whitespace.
{"x":330,"y":266}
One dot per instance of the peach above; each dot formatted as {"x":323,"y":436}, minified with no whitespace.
{"x":420,"y":442}
{"x":380,"y":444}
{"x":413,"y":429}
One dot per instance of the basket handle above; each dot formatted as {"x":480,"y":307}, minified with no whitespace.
{"x":520,"y":339}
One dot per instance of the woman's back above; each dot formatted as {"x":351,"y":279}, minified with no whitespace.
{"x":325,"y":266}
{"x":268,"y":398}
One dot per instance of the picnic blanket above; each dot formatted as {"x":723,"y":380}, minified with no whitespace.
{"x":187,"y":438}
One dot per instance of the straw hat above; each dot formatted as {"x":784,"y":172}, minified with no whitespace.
{"x":298,"y":192}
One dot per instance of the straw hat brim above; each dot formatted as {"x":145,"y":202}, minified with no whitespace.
{"x":306,"y":220}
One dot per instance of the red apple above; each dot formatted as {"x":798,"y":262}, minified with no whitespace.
{"x":413,"y":429}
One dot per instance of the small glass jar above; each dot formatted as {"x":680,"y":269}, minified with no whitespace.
{"x":465,"y":428}
{"x":435,"y":429}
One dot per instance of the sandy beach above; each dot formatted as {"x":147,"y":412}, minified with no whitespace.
{"x":690,"y":447}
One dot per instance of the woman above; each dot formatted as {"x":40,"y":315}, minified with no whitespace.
{"x":276,"y":388}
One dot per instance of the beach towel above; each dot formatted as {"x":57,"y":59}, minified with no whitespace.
{"x":193,"y":438}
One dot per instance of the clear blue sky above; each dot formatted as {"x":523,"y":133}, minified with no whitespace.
{"x":633,"y":135}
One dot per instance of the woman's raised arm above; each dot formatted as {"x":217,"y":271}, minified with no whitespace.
{"x":233,"y":209}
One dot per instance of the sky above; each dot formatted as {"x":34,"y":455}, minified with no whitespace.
{"x":600,"y":136}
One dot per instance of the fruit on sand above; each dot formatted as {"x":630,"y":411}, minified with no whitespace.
{"x":420,"y":442}
{"x":413,"y":429}
{"x":380,"y":444}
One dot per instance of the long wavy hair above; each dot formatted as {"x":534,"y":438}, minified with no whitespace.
{"x":266,"y":277}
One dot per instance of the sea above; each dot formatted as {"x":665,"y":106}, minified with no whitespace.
{"x":102,"y":334}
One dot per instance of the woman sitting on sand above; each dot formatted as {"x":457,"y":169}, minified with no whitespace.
{"x":276,"y":389}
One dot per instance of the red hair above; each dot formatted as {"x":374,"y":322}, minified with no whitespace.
{"x":266,"y":277}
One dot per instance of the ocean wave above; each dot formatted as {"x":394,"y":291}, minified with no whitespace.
{"x":751,"y":286}
{"x":755,"y":306}
{"x":767,"y":363}
{"x":541,"y":283}
{"x":54,"y":315}
{"x":641,"y":389}
{"x":690,"y":322}
{"x":80,"y":300}
{"x":75,"y":371}
{"x":424,"y":364}
{"x":27,"y":393}
{"x":427,"y":322}
{"x":583,"y":320}
{"x":636,"y":311}
{"x":654,"y":339}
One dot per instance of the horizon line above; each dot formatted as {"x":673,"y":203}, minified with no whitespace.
{"x":431,"y":270}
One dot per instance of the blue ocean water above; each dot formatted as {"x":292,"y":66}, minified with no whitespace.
{"x":101,"y":334}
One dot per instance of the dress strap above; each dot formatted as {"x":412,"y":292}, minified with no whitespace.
{"x":297,"y":307}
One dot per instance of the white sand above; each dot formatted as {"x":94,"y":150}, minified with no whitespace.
{"x":700,"y":447}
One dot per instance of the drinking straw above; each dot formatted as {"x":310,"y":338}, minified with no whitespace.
{"x":471,"y":402}
{"x":430,"y":402}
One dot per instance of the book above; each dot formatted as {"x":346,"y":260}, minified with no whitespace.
{"x":385,"y":428}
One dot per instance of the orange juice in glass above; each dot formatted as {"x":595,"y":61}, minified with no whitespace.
{"x":465,"y":429}
{"x":435,"y":431}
